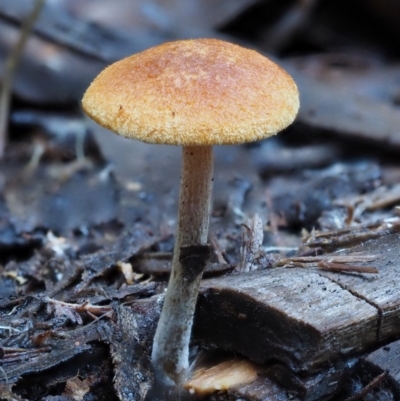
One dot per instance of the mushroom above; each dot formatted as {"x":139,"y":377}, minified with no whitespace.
{"x":194,"y":93}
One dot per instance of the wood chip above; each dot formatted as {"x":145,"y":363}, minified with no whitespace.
{"x":127,"y":271}
{"x":222,"y":377}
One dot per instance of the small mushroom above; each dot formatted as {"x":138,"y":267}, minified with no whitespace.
{"x":194,"y":93}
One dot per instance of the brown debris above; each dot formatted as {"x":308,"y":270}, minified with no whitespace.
{"x":77,"y":388}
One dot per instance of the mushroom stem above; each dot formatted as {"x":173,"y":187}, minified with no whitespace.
{"x":170,"y":356}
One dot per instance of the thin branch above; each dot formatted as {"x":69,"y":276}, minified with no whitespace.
{"x":341,"y":267}
{"x":10,"y":71}
{"x":84,"y":307}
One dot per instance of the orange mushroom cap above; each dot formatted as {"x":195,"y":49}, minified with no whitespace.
{"x":193,"y":92}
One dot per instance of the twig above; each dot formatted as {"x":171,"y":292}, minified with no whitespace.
{"x":219,"y":252}
{"x":346,"y":268}
{"x":333,"y":263}
{"x":9,"y":328}
{"x":382,"y":197}
{"x":97,"y":318}
{"x":354,"y":258}
{"x":13,"y":355}
{"x":4,"y":373}
{"x":274,"y":220}
{"x":85,"y":307}
{"x":280,"y":249}
{"x":252,"y":239}
{"x":10,"y":71}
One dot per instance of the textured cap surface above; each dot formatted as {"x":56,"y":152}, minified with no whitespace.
{"x":193,"y":92}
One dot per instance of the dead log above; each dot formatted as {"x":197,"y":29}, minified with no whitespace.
{"x":293,"y":316}
{"x":382,"y":290}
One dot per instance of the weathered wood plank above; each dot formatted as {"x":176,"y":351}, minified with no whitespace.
{"x":291,"y":315}
{"x":381,"y":290}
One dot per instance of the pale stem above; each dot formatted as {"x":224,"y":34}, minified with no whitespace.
{"x":170,"y":355}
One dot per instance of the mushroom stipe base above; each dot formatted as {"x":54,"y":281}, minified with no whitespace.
{"x":170,"y":356}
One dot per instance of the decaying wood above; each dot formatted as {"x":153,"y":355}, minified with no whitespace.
{"x":382,"y":290}
{"x":386,"y":360}
{"x":268,"y":315}
{"x":295,"y":316}
{"x":312,"y":387}
{"x":131,"y":243}
{"x":131,"y":347}
{"x":73,"y":343}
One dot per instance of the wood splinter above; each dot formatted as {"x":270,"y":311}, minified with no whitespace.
{"x":341,"y":267}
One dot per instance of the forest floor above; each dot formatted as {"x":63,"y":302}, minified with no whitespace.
{"x":303,"y":286}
